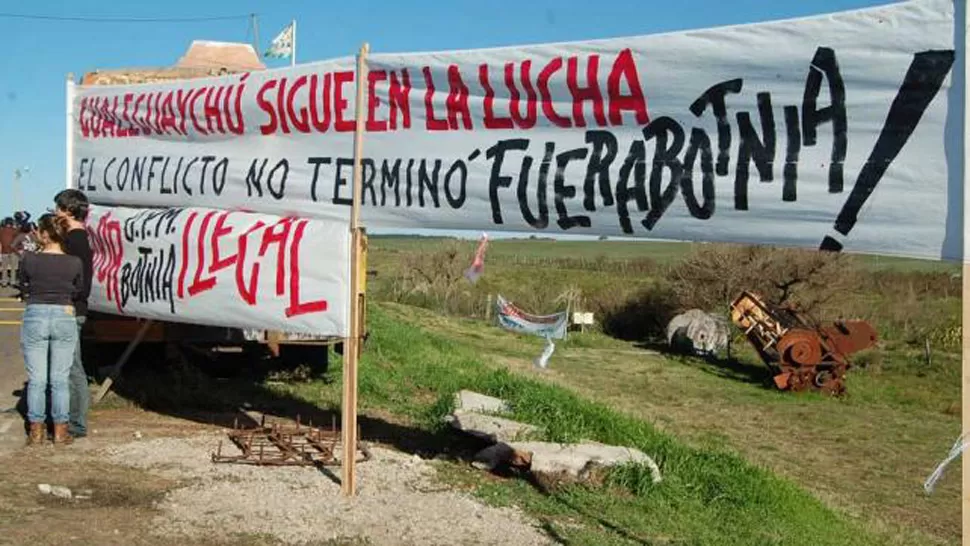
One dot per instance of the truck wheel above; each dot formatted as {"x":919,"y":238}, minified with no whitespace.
{"x":99,"y":358}
{"x":316,"y":357}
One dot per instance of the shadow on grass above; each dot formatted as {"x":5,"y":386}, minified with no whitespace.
{"x":600,"y":520}
{"x":228,"y":392}
{"x":724,"y":367}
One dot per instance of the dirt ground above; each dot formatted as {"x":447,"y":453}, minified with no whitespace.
{"x":12,"y":374}
{"x":150,"y":481}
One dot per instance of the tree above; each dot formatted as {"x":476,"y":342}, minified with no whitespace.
{"x":711,"y":276}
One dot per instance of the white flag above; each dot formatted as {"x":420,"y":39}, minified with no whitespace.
{"x":282,"y":45}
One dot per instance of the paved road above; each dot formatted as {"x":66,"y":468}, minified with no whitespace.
{"x":12,"y":374}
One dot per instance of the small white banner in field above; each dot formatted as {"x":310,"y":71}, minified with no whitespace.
{"x":221,"y":268}
{"x":583,"y":319}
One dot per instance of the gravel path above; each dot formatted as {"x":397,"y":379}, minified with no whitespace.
{"x":398,"y":500}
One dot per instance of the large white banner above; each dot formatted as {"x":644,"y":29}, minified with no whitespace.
{"x":838,"y":131}
{"x":221,"y":268}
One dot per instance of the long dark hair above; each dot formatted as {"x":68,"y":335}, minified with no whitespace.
{"x":54,"y":227}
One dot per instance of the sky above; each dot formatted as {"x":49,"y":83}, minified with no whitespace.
{"x":40,"y":53}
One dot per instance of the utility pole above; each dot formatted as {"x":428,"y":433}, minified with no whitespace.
{"x":255,"y":24}
{"x":17,"y":174}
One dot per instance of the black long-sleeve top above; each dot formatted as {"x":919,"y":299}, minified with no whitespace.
{"x":52,"y":279}
{"x":76,"y":244}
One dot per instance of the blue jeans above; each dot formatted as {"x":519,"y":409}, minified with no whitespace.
{"x":47,"y":339}
{"x":80,"y":395}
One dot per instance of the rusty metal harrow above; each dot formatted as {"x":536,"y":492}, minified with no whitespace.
{"x":277,"y":445}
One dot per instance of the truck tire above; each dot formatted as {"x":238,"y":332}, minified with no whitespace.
{"x":316,"y":357}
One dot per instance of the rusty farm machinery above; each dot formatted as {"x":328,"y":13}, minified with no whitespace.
{"x":802,"y":353}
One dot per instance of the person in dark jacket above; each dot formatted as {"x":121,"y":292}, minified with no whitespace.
{"x":50,"y":281}
{"x":26,"y":240}
{"x":8,"y":258}
{"x":21,"y":218}
{"x":72,"y":205}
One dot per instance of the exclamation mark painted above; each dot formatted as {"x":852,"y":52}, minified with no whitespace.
{"x":922,"y":82}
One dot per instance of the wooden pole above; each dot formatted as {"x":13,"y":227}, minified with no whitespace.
{"x":116,"y":371}
{"x":965,"y":391}
{"x":961,"y":20}
{"x":348,"y":482}
{"x":569,"y":317}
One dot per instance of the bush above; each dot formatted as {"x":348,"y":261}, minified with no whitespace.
{"x":435,"y":279}
{"x":711,"y":276}
{"x":633,"y":298}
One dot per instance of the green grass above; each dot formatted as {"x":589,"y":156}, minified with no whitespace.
{"x":864,"y":454}
{"x":708,"y":496}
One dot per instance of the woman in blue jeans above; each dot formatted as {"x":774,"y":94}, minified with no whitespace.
{"x":49,"y":281}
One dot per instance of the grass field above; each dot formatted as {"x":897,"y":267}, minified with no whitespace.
{"x":864,"y":457}
{"x":743,"y":464}
{"x":663,"y":252}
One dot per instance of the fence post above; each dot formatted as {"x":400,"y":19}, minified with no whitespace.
{"x":488,"y":308}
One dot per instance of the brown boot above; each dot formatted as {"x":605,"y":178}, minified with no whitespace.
{"x":36,"y":435}
{"x":61,"y":436}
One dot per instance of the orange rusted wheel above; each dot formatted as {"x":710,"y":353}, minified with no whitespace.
{"x":851,"y":336}
{"x":799,"y":348}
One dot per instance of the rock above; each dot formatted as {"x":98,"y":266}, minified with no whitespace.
{"x":698,"y":332}
{"x":499,"y":454}
{"x":61,"y":492}
{"x":493,"y":456}
{"x":44,"y":488}
{"x":521,"y":459}
{"x":491,"y":428}
{"x":137,"y":435}
{"x":576,"y":459}
{"x":473,"y":401}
